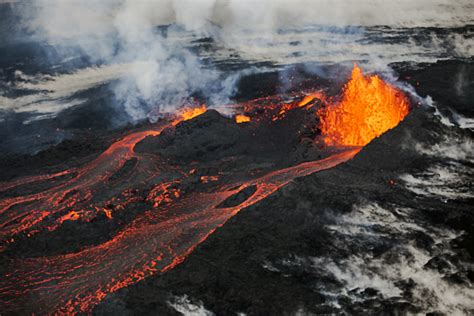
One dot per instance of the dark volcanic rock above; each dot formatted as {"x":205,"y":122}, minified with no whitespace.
{"x":212,"y":137}
{"x":239,"y":197}
{"x":209,"y":136}
{"x":449,"y":82}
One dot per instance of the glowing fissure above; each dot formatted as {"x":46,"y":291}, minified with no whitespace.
{"x":176,"y":222}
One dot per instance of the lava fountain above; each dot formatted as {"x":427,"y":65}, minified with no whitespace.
{"x":188,"y":113}
{"x":369,"y":107}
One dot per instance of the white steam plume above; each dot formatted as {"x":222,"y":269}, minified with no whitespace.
{"x":161,"y":75}
{"x":164,"y":73}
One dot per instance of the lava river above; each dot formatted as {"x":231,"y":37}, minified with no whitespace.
{"x":176,"y":221}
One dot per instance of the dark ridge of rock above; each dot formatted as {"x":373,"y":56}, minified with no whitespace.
{"x":211,"y":137}
{"x":125,"y":170}
{"x":38,"y":186}
{"x":449,"y":82}
{"x":83,"y":147}
{"x":208,"y":136}
{"x":66,"y":154}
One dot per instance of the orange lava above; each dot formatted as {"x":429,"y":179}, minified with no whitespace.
{"x":71,"y":216}
{"x":310,"y":97}
{"x":189,"y":113}
{"x":369,"y":107}
{"x":108,"y":213}
{"x":240,"y":118}
{"x":307,"y":100}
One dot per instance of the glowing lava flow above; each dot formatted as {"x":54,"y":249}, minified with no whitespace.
{"x":369,"y":107}
{"x":75,"y":193}
{"x":74,"y":196}
{"x":240,"y":118}
{"x":152,"y":243}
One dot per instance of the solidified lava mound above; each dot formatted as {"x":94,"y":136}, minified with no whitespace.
{"x":212,"y":137}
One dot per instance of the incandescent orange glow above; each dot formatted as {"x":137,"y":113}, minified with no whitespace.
{"x":369,"y":107}
{"x":108,"y":213}
{"x":71,"y":216}
{"x":240,"y":118}
{"x":310,"y":97}
{"x":189,"y":113}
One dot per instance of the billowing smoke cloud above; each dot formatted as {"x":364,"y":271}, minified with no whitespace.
{"x":163,"y":72}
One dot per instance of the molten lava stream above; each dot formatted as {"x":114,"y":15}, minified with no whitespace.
{"x":21,"y":213}
{"x":150,"y":244}
{"x":24,"y":212}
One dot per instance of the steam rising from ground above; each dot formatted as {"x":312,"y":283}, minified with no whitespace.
{"x":382,"y":274}
{"x":161,"y":74}
{"x":164,"y":70}
{"x":450,"y":177}
{"x":183,"y":305}
{"x":367,"y":227}
{"x":233,"y":15}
